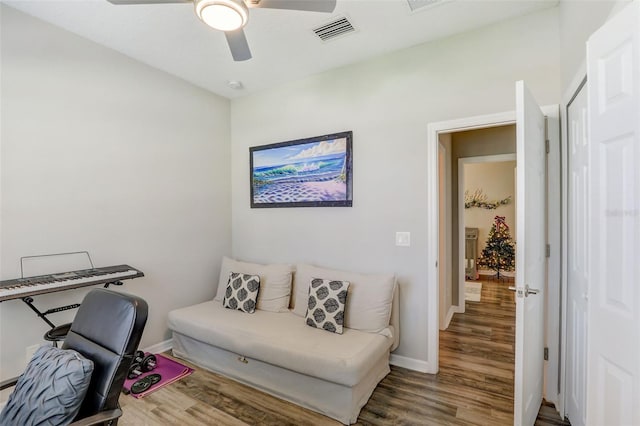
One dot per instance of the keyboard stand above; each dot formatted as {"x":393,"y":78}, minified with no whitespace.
{"x":51,"y":335}
{"x":43,"y":315}
{"x":58,"y":333}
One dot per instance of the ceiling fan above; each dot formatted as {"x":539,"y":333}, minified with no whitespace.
{"x":230,"y":16}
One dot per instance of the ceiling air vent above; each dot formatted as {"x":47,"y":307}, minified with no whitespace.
{"x":334,"y":29}
{"x":419,"y":4}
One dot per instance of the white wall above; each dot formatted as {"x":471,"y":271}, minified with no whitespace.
{"x":578,"y":20}
{"x":102,"y":153}
{"x":388,"y":103}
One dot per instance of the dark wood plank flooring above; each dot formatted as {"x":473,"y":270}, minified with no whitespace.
{"x":474,"y":386}
{"x":477,"y":354}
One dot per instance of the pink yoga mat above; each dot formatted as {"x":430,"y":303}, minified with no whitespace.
{"x":170,"y":371}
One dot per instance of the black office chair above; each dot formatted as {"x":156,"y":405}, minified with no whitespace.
{"x":106,"y":330}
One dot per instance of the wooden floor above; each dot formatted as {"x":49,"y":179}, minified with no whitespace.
{"x":477,"y":354}
{"x":474,"y":386}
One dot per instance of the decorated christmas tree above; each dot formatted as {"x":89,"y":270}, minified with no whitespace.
{"x":499,"y":253}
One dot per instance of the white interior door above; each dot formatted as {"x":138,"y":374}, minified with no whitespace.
{"x":530,"y":256}
{"x":613,"y":360}
{"x":577,"y":260}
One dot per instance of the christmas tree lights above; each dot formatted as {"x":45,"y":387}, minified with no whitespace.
{"x":499,"y":253}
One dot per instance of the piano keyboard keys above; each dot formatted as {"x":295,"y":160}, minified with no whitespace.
{"x":22,"y":287}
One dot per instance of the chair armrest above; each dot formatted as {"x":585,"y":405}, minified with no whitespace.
{"x":101,"y":417}
{"x":5,"y":384}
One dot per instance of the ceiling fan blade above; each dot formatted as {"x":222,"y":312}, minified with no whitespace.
{"x":238,"y":45}
{"x":306,"y":5}
{"x":125,"y":2}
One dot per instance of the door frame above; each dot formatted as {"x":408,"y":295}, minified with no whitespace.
{"x":553,"y":301}
{"x":444,"y":228}
{"x":565,"y":332}
{"x":497,"y":158}
{"x":433,"y":300}
{"x":579,"y":80}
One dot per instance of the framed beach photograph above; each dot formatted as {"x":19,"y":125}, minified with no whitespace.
{"x":311,"y":172}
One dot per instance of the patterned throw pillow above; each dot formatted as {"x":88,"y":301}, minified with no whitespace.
{"x":51,"y":389}
{"x":242,"y":292}
{"x":327,"y":299}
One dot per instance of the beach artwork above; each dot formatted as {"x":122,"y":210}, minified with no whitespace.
{"x":309,"y":172}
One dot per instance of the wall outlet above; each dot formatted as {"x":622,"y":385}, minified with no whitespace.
{"x":403,"y":239}
{"x":30,"y":351}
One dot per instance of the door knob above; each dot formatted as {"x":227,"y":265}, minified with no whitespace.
{"x":527,"y":290}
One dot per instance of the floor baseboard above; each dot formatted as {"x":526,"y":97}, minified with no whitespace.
{"x":397,"y":360}
{"x":452,"y":310}
{"x":160,"y":347}
{"x":410,"y":363}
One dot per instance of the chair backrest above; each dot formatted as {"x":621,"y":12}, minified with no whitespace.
{"x":107,"y":330}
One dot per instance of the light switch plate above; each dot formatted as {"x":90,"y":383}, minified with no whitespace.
{"x":403,"y":239}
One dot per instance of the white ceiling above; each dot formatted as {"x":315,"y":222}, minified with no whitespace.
{"x":171,"y":38}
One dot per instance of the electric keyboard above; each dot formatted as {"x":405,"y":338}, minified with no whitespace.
{"x":41,"y":284}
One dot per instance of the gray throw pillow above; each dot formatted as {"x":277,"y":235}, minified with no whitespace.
{"x":242,"y":292}
{"x":326,"y":304}
{"x":50,"y":390}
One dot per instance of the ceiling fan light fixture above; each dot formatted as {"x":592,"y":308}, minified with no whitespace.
{"x":223,"y":15}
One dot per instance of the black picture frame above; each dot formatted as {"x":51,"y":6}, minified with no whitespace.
{"x":309,"y":172}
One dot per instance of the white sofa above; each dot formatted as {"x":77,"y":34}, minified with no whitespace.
{"x":274,"y":350}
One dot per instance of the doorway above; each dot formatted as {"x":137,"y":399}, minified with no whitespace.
{"x":438,"y":134}
{"x":478,"y":149}
{"x":477,"y":337}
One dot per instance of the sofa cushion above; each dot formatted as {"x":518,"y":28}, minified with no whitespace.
{"x":242,"y":292}
{"x":275,"y":282}
{"x":369,"y":299}
{"x":283,"y":339}
{"x":325,"y":306}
